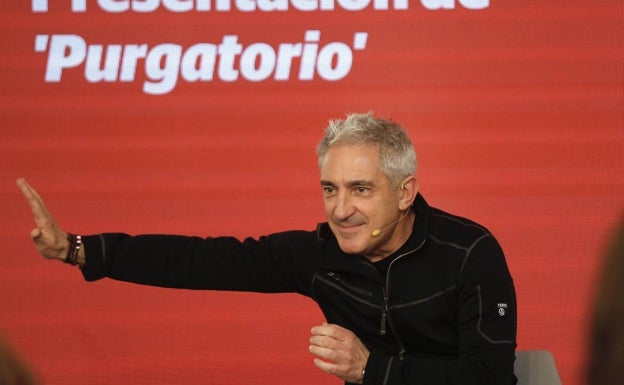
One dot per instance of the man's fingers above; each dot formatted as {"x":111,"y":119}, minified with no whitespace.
{"x":328,"y":349}
{"x":38,"y":208}
{"x":32,"y":197}
{"x":324,"y":351}
{"x":324,"y":341}
{"x":328,"y":341}
{"x":338,"y":351}
{"x":325,"y":366}
{"x":50,"y":239}
{"x":28,"y":192}
{"x":331,"y":330}
{"x":333,"y":368}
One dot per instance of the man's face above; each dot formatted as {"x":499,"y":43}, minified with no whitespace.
{"x":358,"y":200}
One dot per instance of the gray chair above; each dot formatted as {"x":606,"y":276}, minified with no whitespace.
{"x":536,"y":367}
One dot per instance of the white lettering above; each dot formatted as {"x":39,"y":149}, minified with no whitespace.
{"x":475,"y":4}
{"x":79,"y":5}
{"x":305,"y":5}
{"x":354,"y":5}
{"x":198,"y":62}
{"x":438,"y":4}
{"x":285,"y":55}
{"x":327,"y":5}
{"x":41,"y":43}
{"x":273,"y":5}
{"x":223,"y":5}
{"x":450,"y":4}
{"x":257,"y":62}
{"x":93,"y":72}
{"x":114,"y":6}
{"x":246,"y":5}
{"x":383,"y":4}
{"x":39,"y":5}
{"x":165,"y":64}
{"x":308,"y":57}
{"x":132,"y":54}
{"x":343,"y":59}
{"x":66,"y":51}
{"x":203,"y":5}
{"x":162,"y":65}
{"x":145,"y":5}
{"x":180,"y":6}
{"x":228,"y":50}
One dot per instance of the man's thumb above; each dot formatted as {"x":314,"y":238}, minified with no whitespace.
{"x":35,"y":233}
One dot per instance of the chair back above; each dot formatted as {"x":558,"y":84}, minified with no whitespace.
{"x":536,"y":367}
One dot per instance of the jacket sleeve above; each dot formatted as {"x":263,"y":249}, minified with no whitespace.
{"x":486,"y":326}
{"x":274,"y":263}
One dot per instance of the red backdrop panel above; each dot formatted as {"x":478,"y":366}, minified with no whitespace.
{"x":516,"y":110}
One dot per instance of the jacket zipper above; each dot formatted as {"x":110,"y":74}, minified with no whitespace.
{"x":385,"y":311}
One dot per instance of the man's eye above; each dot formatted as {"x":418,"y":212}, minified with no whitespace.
{"x":328,"y":190}
{"x":361,"y":189}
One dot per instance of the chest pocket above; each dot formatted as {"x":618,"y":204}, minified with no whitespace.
{"x":347,"y":302}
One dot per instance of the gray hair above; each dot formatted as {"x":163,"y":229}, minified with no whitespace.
{"x":397,"y":157}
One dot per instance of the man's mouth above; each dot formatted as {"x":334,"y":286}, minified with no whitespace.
{"x":348,"y":229}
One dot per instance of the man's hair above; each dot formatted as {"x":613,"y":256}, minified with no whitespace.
{"x":397,"y":157}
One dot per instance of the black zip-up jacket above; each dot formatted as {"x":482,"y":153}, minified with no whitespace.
{"x":443,"y":314}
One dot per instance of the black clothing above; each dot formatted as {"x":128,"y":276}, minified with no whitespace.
{"x":444,"y":313}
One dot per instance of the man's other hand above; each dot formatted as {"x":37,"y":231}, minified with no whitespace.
{"x":339,"y":352}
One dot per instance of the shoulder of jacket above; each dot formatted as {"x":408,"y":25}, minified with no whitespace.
{"x":449,"y":228}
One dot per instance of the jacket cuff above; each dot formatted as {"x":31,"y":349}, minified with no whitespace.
{"x":377,"y":368}
{"x":95,"y":258}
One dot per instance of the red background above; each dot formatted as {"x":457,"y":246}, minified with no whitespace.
{"x":517,"y":113}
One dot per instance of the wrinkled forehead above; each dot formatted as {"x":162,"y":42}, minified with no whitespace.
{"x":347,"y":163}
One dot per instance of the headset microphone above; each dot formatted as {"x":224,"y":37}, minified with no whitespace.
{"x":375,"y":233}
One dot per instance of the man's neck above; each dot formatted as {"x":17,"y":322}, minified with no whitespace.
{"x":400,"y":235}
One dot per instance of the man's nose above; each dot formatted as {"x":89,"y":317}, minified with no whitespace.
{"x":344,"y":207}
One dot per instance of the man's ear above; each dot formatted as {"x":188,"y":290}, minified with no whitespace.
{"x":408,"y":190}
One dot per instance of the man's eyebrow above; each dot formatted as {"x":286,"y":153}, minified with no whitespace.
{"x":353,"y":183}
{"x":362,"y":182}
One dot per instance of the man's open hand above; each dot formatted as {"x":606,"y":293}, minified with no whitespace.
{"x":50,"y":239}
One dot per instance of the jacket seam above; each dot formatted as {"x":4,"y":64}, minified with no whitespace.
{"x":342,"y":290}
{"x":103,"y":243}
{"x":463,"y":222}
{"x":452,"y":244}
{"x":469,"y":251}
{"x":387,"y":374}
{"x":422,"y":300}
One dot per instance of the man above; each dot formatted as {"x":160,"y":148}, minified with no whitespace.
{"x":411,"y":294}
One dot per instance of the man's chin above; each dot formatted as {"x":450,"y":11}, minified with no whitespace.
{"x":351,"y":246}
